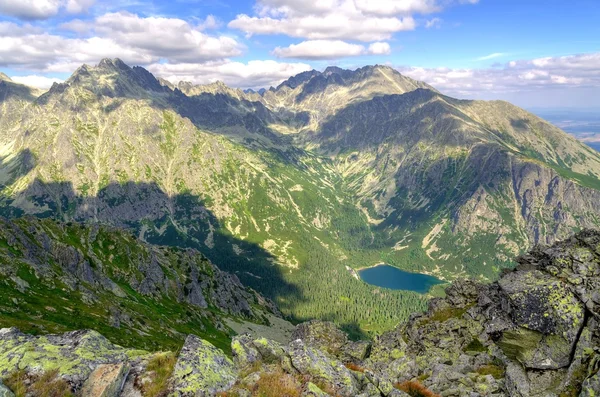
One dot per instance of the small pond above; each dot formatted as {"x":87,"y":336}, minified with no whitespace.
{"x":387,"y":276}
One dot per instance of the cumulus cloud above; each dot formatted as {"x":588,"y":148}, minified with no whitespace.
{"x":254,"y":74}
{"x":361,"y":20}
{"x":135,"y":39}
{"x":380,"y":48}
{"x":36,"y":81}
{"x":572,"y":71}
{"x":42,"y":9}
{"x":170,"y":38}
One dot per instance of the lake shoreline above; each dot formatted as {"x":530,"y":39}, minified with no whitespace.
{"x":395,"y":278}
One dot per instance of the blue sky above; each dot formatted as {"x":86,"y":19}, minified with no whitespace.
{"x":532,"y":52}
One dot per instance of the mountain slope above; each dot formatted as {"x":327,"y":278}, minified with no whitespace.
{"x":293,"y":188}
{"x":113,"y":146}
{"x":57,"y":277}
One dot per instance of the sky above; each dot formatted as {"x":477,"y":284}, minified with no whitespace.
{"x":534,"y":53}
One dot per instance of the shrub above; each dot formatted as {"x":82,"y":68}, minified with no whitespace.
{"x":415,"y":389}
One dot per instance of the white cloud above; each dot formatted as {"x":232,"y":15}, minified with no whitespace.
{"x":136,"y":40}
{"x":330,"y":49}
{"x":36,"y":81}
{"x":491,"y":56}
{"x":42,"y":9}
{"x":380,"y":48}
{"x":574,"y":71}
{"x":361,"y":20}
{"x":169,"y":38}
{"x":397,"y":7}
{"x":254,"y":74}
{"x":79,"y":6}
{"x":433,"y":23}
{"x":211,"y":22}
{"x":320,"y":49}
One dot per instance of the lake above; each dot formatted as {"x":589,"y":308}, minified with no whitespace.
{"x":387,"y":276}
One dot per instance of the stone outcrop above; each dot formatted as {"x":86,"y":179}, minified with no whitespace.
{"x":534,"y":332}
{"x":202,"y":369}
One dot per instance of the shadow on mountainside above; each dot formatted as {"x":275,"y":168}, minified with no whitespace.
{"x":182,"y":220}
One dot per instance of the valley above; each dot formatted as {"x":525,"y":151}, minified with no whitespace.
{"x":285,"y":189}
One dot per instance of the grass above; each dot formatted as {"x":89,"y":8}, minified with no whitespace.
{"x":277,"y":384}
{"x":159,"y":369}
{"x":415,"y":389}
{"x":495,"y":370}
{"x":475,"y":346}
{"x":46,"y":385}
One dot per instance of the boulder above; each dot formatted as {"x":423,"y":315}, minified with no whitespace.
{"x":356,"y":351}
{"x":548,"y":316}
{"x":244,"y":352}
{"x":270,"y":351}
{"x":201,"y":370}
{"x":73,"y":354}
{"x":313,"y":390}
{"x":316,"y":364}
{"x":106,"y":381}
{"x":323,"y":335}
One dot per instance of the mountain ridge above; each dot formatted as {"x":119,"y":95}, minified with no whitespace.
{"x":307,"y":181}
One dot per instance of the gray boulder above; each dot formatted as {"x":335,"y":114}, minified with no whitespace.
{"x":201,"y":370}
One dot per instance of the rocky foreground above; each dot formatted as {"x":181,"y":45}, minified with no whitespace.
{"x":535,"y":332}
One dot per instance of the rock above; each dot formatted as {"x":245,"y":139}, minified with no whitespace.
{"x":244,"y":352}
{"x":591,"y":386}
{"x":548,"y":315}
{"x":270,"y":351}
{"x":388,"y":347}
{"x":313,"y":362}
{"x":356,"y":351}
{"x":323,"y":335}
{"x":4,"y":392}
{"x":313,"y":390}
{"x":106,"y":381}
{"x":201,"y":369}
{"x":73,"y":354}
{"x":517,"y":383}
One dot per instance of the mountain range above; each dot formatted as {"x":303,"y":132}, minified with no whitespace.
{"x":293,"y":187}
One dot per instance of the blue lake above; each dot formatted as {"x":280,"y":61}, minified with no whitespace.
{"x":391,"y":277}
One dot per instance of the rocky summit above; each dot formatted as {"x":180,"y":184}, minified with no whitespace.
{"x":534,"y":332}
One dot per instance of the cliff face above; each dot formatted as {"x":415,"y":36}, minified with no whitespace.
{"x":534,"y":332}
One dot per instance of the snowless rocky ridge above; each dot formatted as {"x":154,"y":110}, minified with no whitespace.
{"x":534,"y":332}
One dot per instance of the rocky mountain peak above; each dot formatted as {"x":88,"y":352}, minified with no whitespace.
{"x":4,"y":77}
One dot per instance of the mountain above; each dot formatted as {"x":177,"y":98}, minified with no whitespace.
{"x":57,"y":277}
{"x":294,"y":188}
{"x":532,"y":333}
